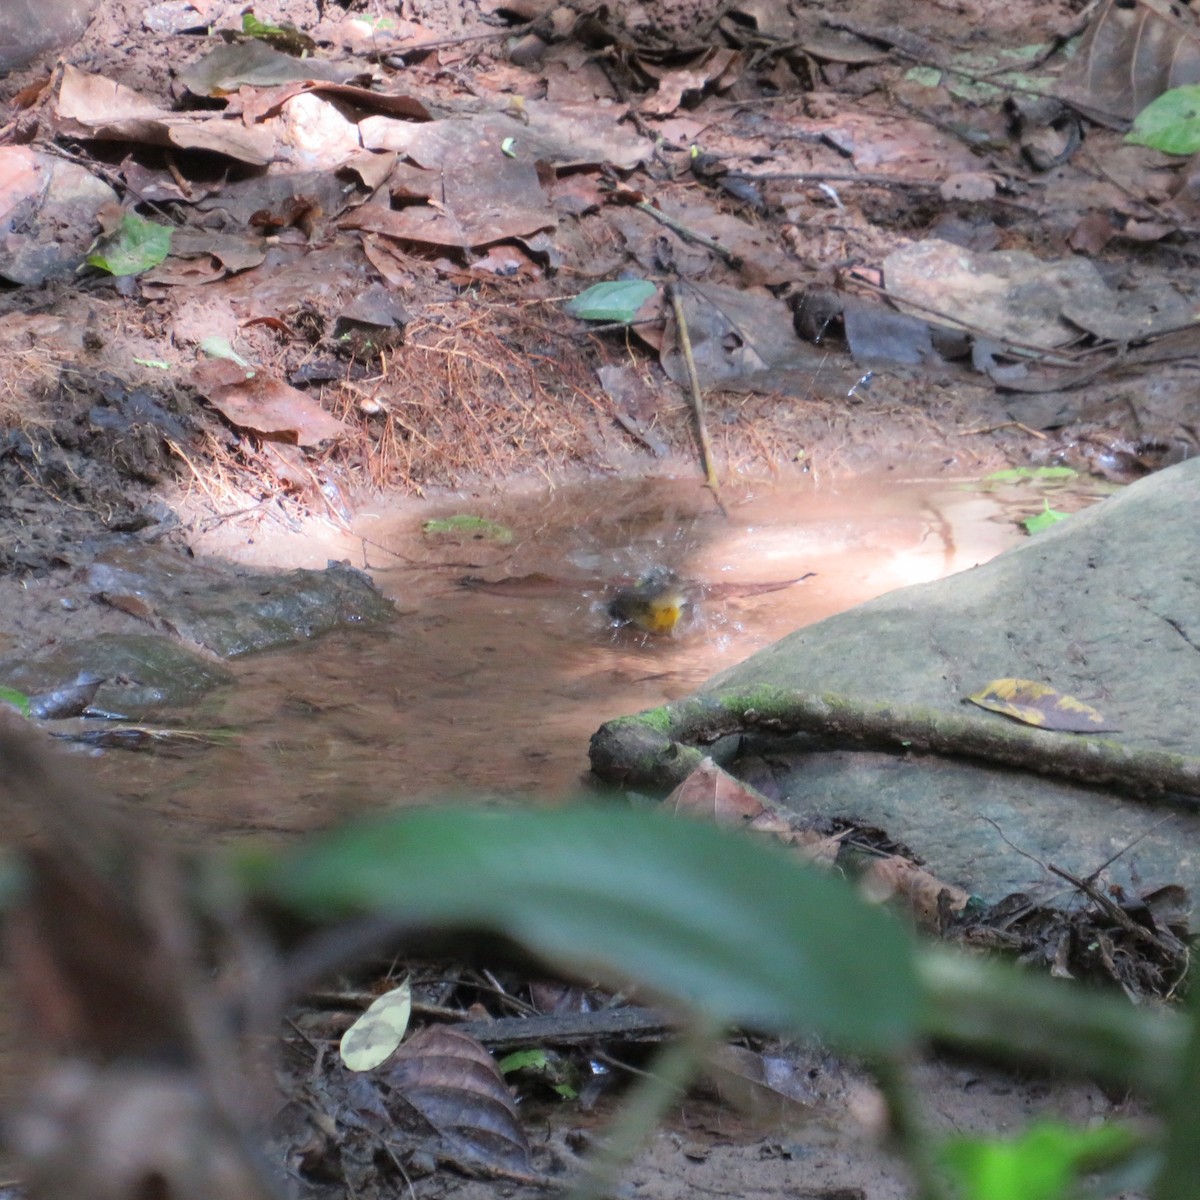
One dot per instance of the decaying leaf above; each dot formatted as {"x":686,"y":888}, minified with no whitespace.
{"x":1132,"y":52}
{"x":373,"y":1038}
{"x":453,"y":1082}
{"x":274,"y":410}
{"x":711,"y":793}
{"x":925,"y":897}
{"x":255,"y":64}
{"x":774,"y":1090}
{"x":90,"y":106}
{"x":743,"y":340}
{"x":1039,"y":704}
{"x":714,"y":794}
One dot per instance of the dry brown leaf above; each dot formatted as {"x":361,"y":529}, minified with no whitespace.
{"x":274,"y":410}
{"x":1132,"y":52}
{"x":90,"y":106}
{"x":922,"y":894}
{"x":715,"y":795}
{"x":452,"y":1081}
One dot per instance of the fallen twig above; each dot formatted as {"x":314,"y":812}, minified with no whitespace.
{"x":685,"y":343}
{"x":690,"y":235}
{"x":1037,"y":433}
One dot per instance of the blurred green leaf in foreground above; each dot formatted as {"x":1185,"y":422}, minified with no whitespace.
{"x":729,"y":927}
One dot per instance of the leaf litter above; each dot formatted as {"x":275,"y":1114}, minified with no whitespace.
{"x":789,"y":189}
{"x":485,"y":217}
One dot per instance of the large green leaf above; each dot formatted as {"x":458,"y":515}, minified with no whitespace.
{"x":617,"y":300}
{"x":1041,"y":1164}
{"x":1171,"y":123}
{"x":732,"y":927}
{"x":136,"y":246}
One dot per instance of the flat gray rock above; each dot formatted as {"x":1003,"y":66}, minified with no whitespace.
{"x":142,"y":673}
{"x":1104,"y":607}
{"x":228,"y":609}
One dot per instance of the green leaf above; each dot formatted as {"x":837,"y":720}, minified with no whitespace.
{"x":1044,"y":520}
{"x":1171,"y":123}
{"x":966,"y":74}
{"x":555,"y":1071}
{"x":524,"y":1060}
{"x":1039,"y":1165}
{"x":1016,"y":474}
{"x":733,"y":928}
{"x":137,"y":246}
{"x":618,"y":300}
{"x":18,"y":700}
{"x":1053,"y":473}
{"x":284,"y":36}
{"x":463,"y":524}
{"x":219,"y":347}
{"x":928,"y":77}
{"x":255,"y":28}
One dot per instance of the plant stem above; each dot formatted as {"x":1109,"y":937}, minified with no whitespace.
{"x":645,"y":1106}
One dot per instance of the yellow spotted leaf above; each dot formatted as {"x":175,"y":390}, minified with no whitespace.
{"x":376,"y":1034}
{"x":1039,"y":704}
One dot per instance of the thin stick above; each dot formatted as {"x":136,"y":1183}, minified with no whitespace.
{"x":907,"y":1129}
{"x":690,"y":235}
{"x":1003,"y":425}
{"x":462,"y":39}
{"x":706,"y":457}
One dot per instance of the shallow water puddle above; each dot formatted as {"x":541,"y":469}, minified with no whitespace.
{"x":490,"y":691}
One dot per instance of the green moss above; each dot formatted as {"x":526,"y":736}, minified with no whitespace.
{"x":767,"y":698}
{"x":660,"y":720}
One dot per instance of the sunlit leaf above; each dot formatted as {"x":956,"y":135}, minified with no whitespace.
{"x":1044,"y":520}
{"x":618,"y":300}
{"x":1041,"y":1164}
{"x":1171,"y":123}
{"x":1039,"y":704}
{"x":376,"y":1034}
{"x":219,"y":347}
{"x":136,"y":246}
{"x":731,"y":927}
{"x":464,"y":525}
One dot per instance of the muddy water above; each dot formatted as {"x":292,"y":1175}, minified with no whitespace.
{"x":494,"y":692}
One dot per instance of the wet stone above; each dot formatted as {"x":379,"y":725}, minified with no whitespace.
{"x":142,"y":672}
{"x":230,"y":610}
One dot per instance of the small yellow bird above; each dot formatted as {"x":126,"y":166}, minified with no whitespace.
{"x":656,"y":603}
